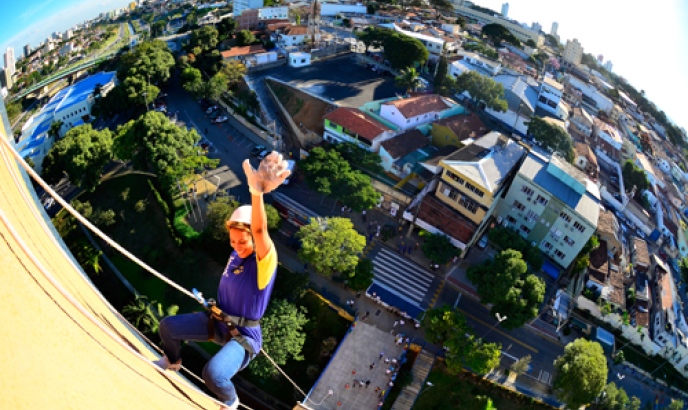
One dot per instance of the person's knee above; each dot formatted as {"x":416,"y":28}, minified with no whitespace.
{"x":164,"y":326}
{"x":217,"y":374}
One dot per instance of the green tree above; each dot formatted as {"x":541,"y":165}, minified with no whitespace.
{"x":327,"y":172}
{"x":409,"y":79}
{"x":633,"y":175}
{"x":291,"y":286}
{"x":234,"y":70}
{"x":362,"y":276}
{"x":613,"y":398}
{"x":482,"y":89}
{"x":330,"y":245}
{"x":404,"y":51}
{"x":283,"y":337}
{"x":82,"y":154}
{"x":356,"y":155}
{"x":154,"y":142}
{"x":552,"y":137}
{"x":441,"y":73}
{"x":215,"y":87}
{"x":54,"y":130}
{"x":192,"y":81}
{"x":496,"y":33}
{"x":205,"y":37}
{"x":675,"y":405}
{"x":245,"y":38}
{"x":581,"y":373}
{"x":506,"y":284}
{"x":226,"y":27}
{"x":634,"y":404}
{"x":683,"y":264}
{"x":139,"y":91}
{"x":521,"y":365}
{"x":440,"y":324}
{"x":218,"y":212}
{"x":442,"y":5}
{"x":274,"y":218}
{"x":148,"y":60}
{"x":484,"y":357}
{"x":530,"y":43}
{"x":158,"y":28}
{"x":438,"y":248}
{"x":461,"y":21}
{"x":146,"y":315}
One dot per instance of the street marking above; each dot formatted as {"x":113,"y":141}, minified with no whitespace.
{"x":458,"y":299}
{"x":509,"y":356}
{"x":513,"y":339}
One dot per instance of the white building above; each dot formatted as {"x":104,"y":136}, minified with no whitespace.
{"x":332,"y":9}
{"x":505,"y":10}
{"x":573,"y":52}
{"x":537,"y":27}
{"x":72,"y":106}
{"x":553,"y":30}
{"x":293,"y":36}
{"x":522,"y":33}
{"x":412,"y":112}
{"x":299,"y":59}
{"x":10,"y":61}
{"x":434,"y":44}
{"x":474,"y":62}
{"x":549,"y":98}
{"x":241,"y":5}
{"x":596,"y":101}
{"x":608,"y":66}
{"x":270,"y":13}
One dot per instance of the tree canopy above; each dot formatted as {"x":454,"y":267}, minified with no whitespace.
{"x":331,"y":245}
{"x":245,"y":38}
{"x":438,"y":248}
{"x":362,"y":276}
{"x":154,"y":142}
{"x":205,"y":37}
{"x":497,"y":32}
{"x":482,"y":89}
{"x":400,"y":50}
{"x":506,"y":284}
{"x":552,"y":137}
{"x":363,"y":158}
{"x":616,"y":398}
{"x":633,"y":175}
{"x":484,"y":357}
{"x":82,"y":154}
{"x":218,"y":212}
{"x":327,"y":172}
{"x":150,"y":59}
{"x":581,"y":373}
{"x":283,"y":337}
{"x":408,"y":79}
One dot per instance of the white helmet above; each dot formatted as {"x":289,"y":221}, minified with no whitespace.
{"x":242,"y":214}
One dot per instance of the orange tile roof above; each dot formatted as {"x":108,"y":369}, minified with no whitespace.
{"x":473,"y":128}
{"x":243,"y":51}
{"x":422,"y":104}
{"x":606,"y":223}
{"x":585,"y":151}
{"x":666,"y":298}
{"x":357,"y":122}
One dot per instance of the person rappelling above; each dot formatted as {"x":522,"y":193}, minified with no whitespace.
{"x":243,"y":293}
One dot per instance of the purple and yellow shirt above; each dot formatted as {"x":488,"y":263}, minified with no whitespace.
{"x":245,"y":289}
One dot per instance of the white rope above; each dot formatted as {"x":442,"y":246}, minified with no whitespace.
{"x":117,"y":246}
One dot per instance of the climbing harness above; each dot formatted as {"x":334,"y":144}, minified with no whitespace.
{"x":215,"y":314}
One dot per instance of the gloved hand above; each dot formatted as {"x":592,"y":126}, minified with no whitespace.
{"x":270,"y":174}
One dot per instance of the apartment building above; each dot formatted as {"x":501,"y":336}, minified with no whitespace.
{"x":553,"y":205}
{"x":520,"y":32}
{"x":573,"y":52}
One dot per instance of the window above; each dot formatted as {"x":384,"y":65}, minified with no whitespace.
{"x":455,"y":177}
{"x":569,"y":241}
{"x":519,"y":206}
{"x":531,"y":216}
{"x":541,"y":200}
{"x":510,"y":219}
{"x":559,"y":254}
{"x":563,"y":215}
{"x":527,"y":190}
{"x":579,"y":227}
{"x":474,"y":189}
{"x":525,"y":229}
{"x":469,"y":204}
{"x":453,"y":194}
{"x":547,"y":245}
{"x":555,"y":234}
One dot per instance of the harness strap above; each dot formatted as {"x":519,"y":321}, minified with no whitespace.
{"x":216,"y":314}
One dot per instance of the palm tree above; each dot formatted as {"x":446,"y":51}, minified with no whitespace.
{"x":145,"y":315}
{"x":409,"y":79}
{"x":54,"y":130}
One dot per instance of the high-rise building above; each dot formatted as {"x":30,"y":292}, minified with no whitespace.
{"x":555,"y":27}
{"x":537,"y":27}
{"x":608,"y":65}
{"x":27,"y":50}
{"x":600,"y":58}
{"x":505,"y":10}
{"x":9,"y":61}
{"x":573,"y":52}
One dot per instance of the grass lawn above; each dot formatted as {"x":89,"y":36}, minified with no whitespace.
{"x":466,"y":392}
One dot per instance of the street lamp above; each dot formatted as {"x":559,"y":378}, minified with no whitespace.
{"x":430,"y":386}
{"x":500,"y":319}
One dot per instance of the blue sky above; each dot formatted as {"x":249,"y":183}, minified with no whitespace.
{"x":646,"y":41}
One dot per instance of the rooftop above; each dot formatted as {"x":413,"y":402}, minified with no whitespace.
{"x":563,"y":181}
{"x":598,"y":269}
{"x":296,"y":31}
{"x":617,"y":292}
{"x":447,"y":220}
{"x":469,"y":126}
{"x":585,"y":151}
{"x":553,"y":83}
{"x":422,"y":104}
{"x":642,"y":255}
{"x":243,"y":51}
{"x":406,"y":143}
{"x":487,"y":161}
{"x":357,"y":122}
{"x":607,"y":223}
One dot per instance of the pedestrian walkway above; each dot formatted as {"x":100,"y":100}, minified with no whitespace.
{"x":419,"y":372}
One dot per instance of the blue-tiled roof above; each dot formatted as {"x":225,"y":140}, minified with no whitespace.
{"x":522,"y":88}
{"x":81,"y":90}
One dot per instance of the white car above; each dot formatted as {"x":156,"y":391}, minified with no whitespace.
{"x":220,"y":119}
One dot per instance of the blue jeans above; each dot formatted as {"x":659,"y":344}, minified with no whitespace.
{"x":218,"y":372}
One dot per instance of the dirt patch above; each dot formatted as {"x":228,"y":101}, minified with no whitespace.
{"x":304,"y":109}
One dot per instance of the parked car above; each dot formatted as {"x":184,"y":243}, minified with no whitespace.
{"x":482,"y":243}
{"x":220,"y":119}
{"x":211,"y":109}
{"x":257,"y":150}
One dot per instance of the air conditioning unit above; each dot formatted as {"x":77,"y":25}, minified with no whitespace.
{"x":499,"y":219}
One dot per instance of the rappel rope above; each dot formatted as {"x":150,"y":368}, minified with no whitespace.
{"x":117,"y":246}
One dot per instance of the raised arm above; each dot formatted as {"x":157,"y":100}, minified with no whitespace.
{"x":270,"y":174}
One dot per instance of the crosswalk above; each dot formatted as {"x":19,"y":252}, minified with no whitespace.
{"x":401,"y":277}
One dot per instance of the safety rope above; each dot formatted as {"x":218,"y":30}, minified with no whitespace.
{"x":122,"y":250}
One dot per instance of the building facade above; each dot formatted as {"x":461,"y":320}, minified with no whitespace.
{"x":10,"y":61}
{"x":573,"y":52}
{"x":412,"y":112}
{"x":241,"y":5}
{"x":553,"y":205}
{"x":355,"y":126}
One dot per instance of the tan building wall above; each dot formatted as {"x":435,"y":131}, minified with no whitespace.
{"x":457,"y":195}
